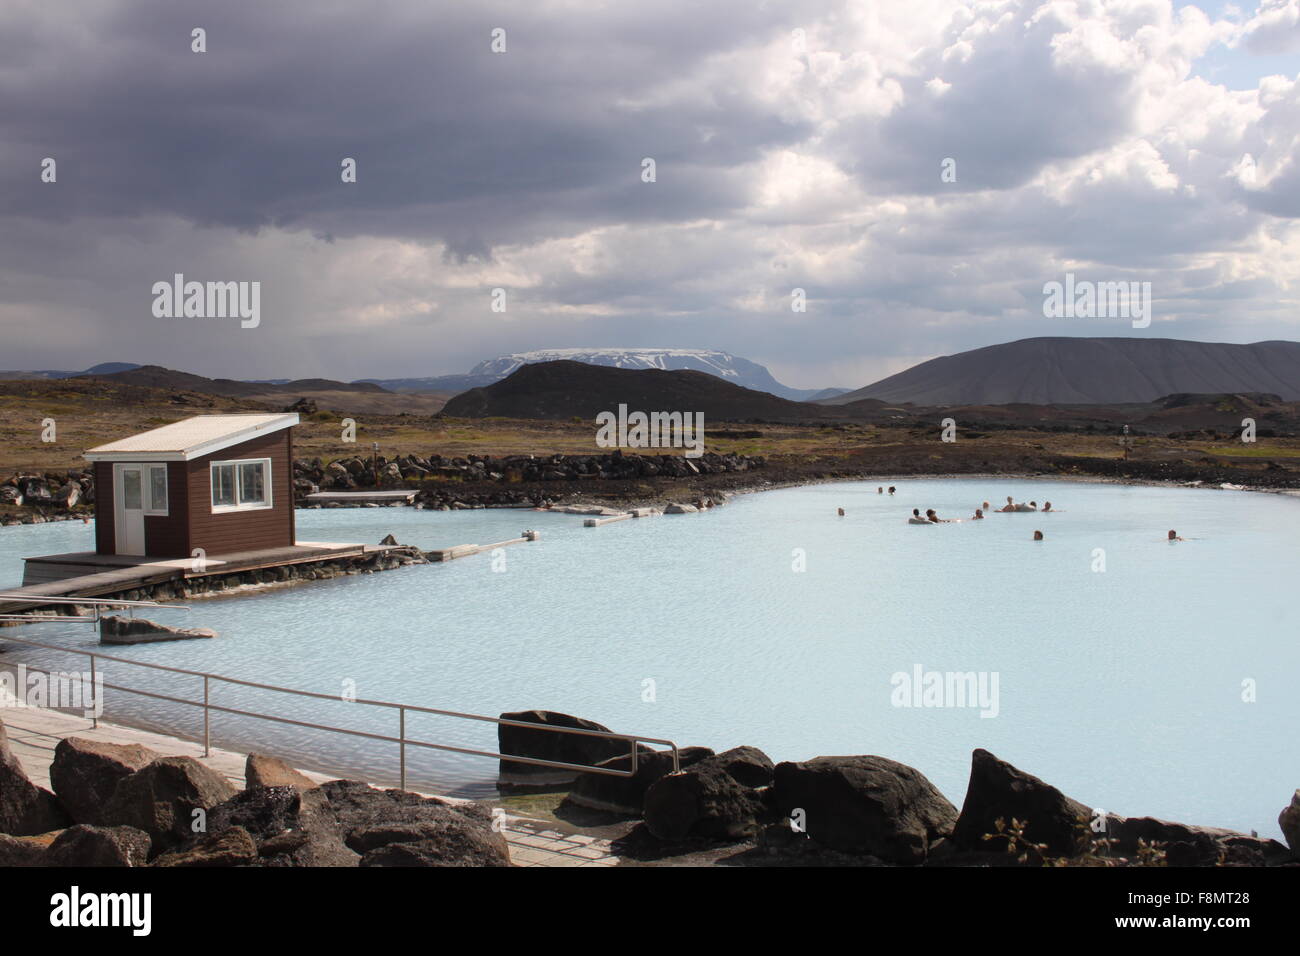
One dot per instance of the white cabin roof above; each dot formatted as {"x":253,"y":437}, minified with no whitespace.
{"x":192,"y":437}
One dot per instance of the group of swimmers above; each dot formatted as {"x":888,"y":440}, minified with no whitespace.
{"x":1011,"y":507}
{"x":931,"y":517}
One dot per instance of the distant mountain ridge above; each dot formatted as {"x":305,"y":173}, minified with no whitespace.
{"x":1104,"y":371}
{"x":103,"y":368}
{"x":155,"y":376}
{"x":723,"y":365}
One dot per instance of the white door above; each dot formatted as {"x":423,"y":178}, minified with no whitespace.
{"x":128,"y":495}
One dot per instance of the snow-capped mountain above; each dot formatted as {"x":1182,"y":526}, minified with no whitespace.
{"x":721,"y":364}
{"x":724,"y":365}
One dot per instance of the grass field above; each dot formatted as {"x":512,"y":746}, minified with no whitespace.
{"x":86,"y":414}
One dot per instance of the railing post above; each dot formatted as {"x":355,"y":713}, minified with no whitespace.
{"x":402,"y":744}
{"x":94,"y":721}
{"x":635,"y":748}
{"x":207,"y":721}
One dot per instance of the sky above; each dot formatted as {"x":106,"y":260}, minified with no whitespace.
{"x":503,"y":146}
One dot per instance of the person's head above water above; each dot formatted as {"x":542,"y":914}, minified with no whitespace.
{"x":1008,"y":499}
{"x":1038,"y":536}
{"x":917,"y":512}
{"x":1173,"y":535}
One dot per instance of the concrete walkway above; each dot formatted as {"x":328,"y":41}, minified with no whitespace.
{"x":34,"y":733}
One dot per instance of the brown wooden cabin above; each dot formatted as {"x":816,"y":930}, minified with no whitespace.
{"x":220,"y":483}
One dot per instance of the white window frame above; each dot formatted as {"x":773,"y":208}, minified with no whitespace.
{"x":253,"y":506}
{"x":146,"y":494}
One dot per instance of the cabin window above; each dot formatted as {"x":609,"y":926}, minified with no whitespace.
{"x":252,"y":483}
{"x":156,"y":476}
{"x":241,"y":485}
{"x":131,"y":489}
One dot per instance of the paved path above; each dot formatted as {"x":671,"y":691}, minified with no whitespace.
{"x":34,"y":733}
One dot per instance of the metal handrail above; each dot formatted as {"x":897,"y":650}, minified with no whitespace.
{"x":43,"y":599}
{"x":45,"y":618}
{"x":401,"y":740}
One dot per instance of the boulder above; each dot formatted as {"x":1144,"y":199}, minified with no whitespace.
{"x":116,"y":629}
{"x":866,"y":805}
{"x":680,"y":509}
{"x":997,"y":790}
{"x":291,"y":827}
{"x":303,"y":406}
{"x":1186,"y":845}
{"x":1289,"y":821}
{"x":232,"y":847}
{"x":456,"y":839}
{"x":22,"y":851}
{"x":85,"y":774}
{"x":434,"y":833}
{"x":549,"y":745}
{"x":83,"y":845}
{"x":626,"y":795}
{"x":263,"y":771}
{"x":35,"y":490}
{"x":161,"y":799}
{"x":25,"y":809}
{"x":438,"y":852}
{"x":719,"y":797}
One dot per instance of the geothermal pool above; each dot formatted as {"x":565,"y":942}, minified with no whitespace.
{"x":1123,"y":687}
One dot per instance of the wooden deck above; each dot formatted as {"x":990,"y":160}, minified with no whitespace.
{"x":87,"y":574}
{"x":465,"y":550}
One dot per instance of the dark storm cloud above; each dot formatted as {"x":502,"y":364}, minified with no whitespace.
{"x":452,"y":141}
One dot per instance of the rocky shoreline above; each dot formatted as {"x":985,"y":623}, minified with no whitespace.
{"x":630,"y":480}
{"x":862,"y":810}
{"x":126,"y":805}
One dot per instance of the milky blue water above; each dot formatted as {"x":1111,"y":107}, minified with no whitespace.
{"x":1122,"y":686}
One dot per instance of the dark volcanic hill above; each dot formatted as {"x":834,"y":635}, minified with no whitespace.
{"x":1071,"y":371}
{"x":565,"y":389}
{"x":732,"y":368}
